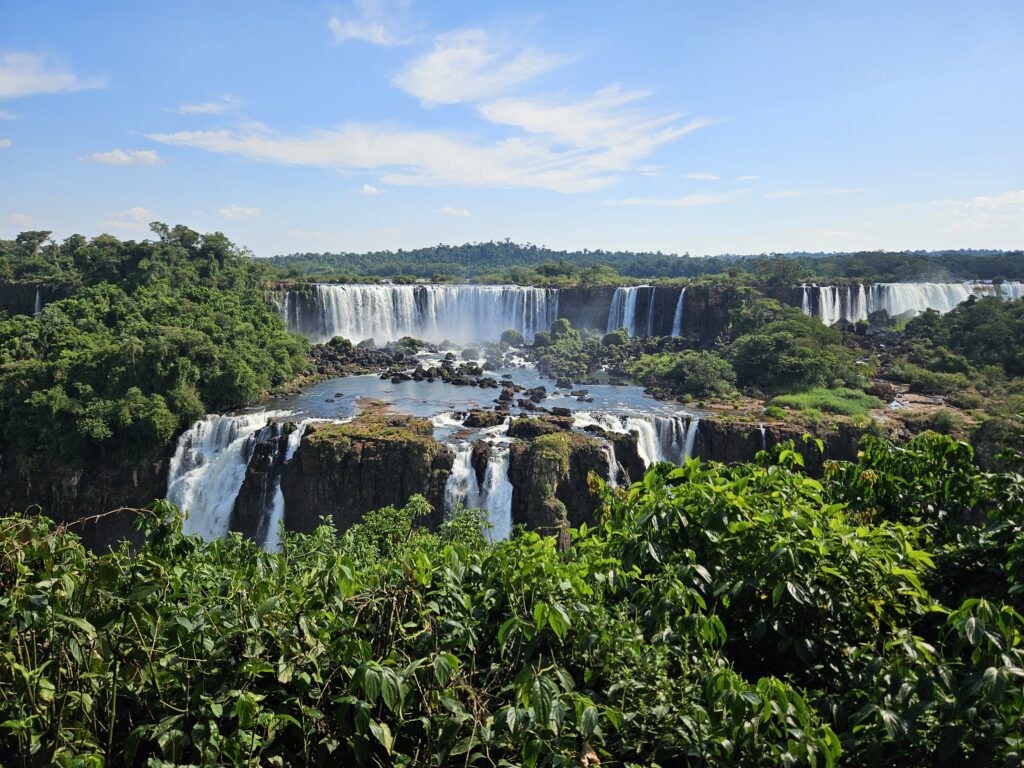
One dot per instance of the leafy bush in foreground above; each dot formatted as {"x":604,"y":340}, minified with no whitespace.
{"x":747,"y":616}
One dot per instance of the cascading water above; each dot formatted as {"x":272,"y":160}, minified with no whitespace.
{"x":496,"y":494}
{"x":208,"y":468}
{"x":436,"y":313}
{"x":270,"y":529}
{"x":855,"y":303}
{"x":37,"y":308}
{"x":622,"y":312}
{"x":677,"y":319}
{"x":659,"y":438}
{"x":461,"y":487}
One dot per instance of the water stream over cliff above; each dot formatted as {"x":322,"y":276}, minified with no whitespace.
{"x":852,"y":303}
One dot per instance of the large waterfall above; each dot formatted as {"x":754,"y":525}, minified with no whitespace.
{"x":460,"y":313}
{"x":623,"y":310}
{"x":659,"y":438}
{"x":208,"y":468}
{"x":852,"y":303}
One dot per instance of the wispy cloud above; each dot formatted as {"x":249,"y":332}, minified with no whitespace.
{"x":470,"y":65}
{"x":7,"y":115}
{"x":21,"y":219}
{"x":134,"y":220}
{"x":988,"y":210}
{"x":5,"y":143}
{"x":125,"y":157}
{"x":748,"y":178}
{"x":686,"y":201}
{"x":449,"y":211}
{"x":421,"y":158}
{"x":703,"y":176}
{"x":25,"y":74}
{"x":217,"y":107}
{"x":793,"y":194}
{"x":371,"y":21}
{"x":238,"y":212}
{"x":369,"y":189}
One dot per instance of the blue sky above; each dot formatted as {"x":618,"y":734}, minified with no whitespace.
{"x":701,"y":127}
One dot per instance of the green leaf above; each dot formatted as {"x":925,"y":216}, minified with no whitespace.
{"x":382,"y":733}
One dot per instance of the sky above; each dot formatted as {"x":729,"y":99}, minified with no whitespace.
{"x":694,"y":127}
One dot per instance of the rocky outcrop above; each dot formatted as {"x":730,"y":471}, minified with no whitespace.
{"x":554,"y":468}
{"x":343,"y":471}
{"x":249,"y":516}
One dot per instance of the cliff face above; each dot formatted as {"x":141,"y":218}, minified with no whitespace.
{"x":255,"y":496}
{"x":554,"y":468}
{"x":730,"y":442}
{"x":586,"y":307}
{"x":68,"y":496}
{"x":20,"y":298}
{"x":346,"y":470}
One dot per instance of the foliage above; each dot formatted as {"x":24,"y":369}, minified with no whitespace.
{"x":725,"y":616}
{"x":693,"y":373}
{"x":782,"y":349}
{"x":154,"y":335}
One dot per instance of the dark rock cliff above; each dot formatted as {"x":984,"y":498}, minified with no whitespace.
{"x":346,"y":470}
{"x":71,"y":496}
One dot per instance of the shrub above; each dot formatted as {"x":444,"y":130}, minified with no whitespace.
{"x":844,"y":402}
{"x":512,"y":337}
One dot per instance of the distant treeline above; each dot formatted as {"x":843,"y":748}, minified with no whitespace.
{"x":506,"y":260}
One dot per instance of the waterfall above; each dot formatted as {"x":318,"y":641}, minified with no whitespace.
{"x":659,"y":438}
{"x":436,"y":313}
{"x":691,"y":437}
{"x":208,"y":468}
{"x":764,"y":436}
{"x":613,"y":464}
{"x":855,"y":303}
{"x":271,"y":527}
{"x":622,"y":312}
{"x":496,"y":494}
{"x":677,"y":319}
{"x":461,"y":486}
{"x":37,"y":308}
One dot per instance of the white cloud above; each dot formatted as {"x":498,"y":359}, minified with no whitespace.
{"x":371,"y":21}
{"x":7,"y":115}
{"x":571,"y":147}
{"x":5,"y":143}
{"x":604,"y":125}
{"x":748,"y":178}
{"x":24,"y":74}
{"x":125,"y":157}
{"x":449,"y":211}
{"x":368,"y":189}
{"x":238,"y":212}
{"x":987,"y":211}
{"x":792,"y":194}
{"x":702,"y":176}
{"x":785,"y":194}
{"x":687,"y":201}
{"x":133,"y":220}
{"x":470,"y":65}
{"x":21,"y":219}
{"x":209,"y":107}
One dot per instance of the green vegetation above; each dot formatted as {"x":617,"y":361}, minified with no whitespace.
{"x":154,"y":335}
{"x":726,"y":616}
{"x":841,"y":401}
{"x":693,"y":373}
{"x":780,"y":348}
{"x":506,"y":261}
